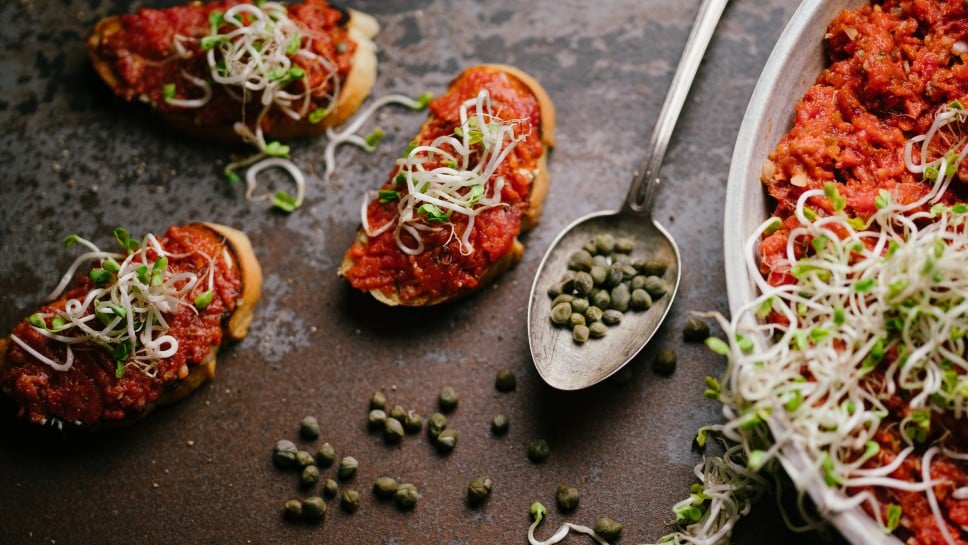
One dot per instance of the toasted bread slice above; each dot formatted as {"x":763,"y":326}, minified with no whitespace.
{"x":39,"y":392}
{"x":108,"y":58}
{"x":537,"y":173}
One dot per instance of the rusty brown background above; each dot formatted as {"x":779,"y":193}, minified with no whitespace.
{"x":76,"y":160}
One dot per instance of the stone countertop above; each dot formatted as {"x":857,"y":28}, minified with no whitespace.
{"x":77,"y":160}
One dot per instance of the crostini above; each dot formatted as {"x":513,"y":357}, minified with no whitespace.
{"x":233,"y":69}
{"x":138,"y":329}
{"x":447,"y":221}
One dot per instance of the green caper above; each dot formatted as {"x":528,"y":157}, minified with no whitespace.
{"x":413,"y":423}
{"x":637,"y":282}
{"x":580,"y":333}
{"x":611,"y":317}
{"x":640,"y":300}
{"x":398,"y":412}
{"x":505,"y":380}
{"x":563,"y":298}
{"x":592,"y":315}
{"x":598,"y":274}
{"x":655,"y":286}
{"x":589,"y":246}
{"x":628,"y":272}
{"x":378,"y":400}
{"x":600,"y":261}
{"x":325,"y":455}
{"x":293,"y":509}
{"x":309,"y":476}
{"x":313,"y":508}
{"x":580,"y":305}
{"x":624,"y":245}
{"x":605,"y":243}
{"x":447,"y":399}
{"x":607,"y":528}
{"x":576,"y":319}
{"x":446,"y":441}
{"x":385,"y":487}
{"x":538,"y":450}
{"x":309,"y":428}
{"x":479,"y":489}
{"x":392,"y":430}
{"x":602,"y":299}
{"x":621,"y":297}
{"x":376,"y":419}
{"x":583,"y":283}
{"x":614,"y":276}
{"x":567,"y":498}
{"x":284,"y":454}
{"x":330,"y":488}
{"x":406,"y":496}
{"x":347,"y":468}
{"x":580,"y":261}
{"x":665,"y":361}
{"x":567,"y":281}
{"x":695,"y":330}
{"x":597,"y":330}
{"x":499,"y":424}
{"x":436,"y":423}
{"x":652,"y":267}
{"x":349,"y":500}
{"x":561,"y":313}
{"x":304,"y":458}
{"x":554,"y":290}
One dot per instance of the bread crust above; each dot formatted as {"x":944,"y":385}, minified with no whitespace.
{"x":235,"y":327}
{"x":529,"y":218}
{"x":360,"y":26}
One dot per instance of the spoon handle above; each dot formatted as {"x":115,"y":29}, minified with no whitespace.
{"x":646,"y":183}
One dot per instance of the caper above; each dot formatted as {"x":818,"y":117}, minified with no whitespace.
{"x":406,"y":496}
{"x":655,"y":286}
{"x":592,"y":315}
{"x":597,"y":330}
{"x":637,"y":282}
{"x":538,"y":450}
{"x":563,"y":298}
{"x":505,"y":380}
{"x":325,"y":455}
{"x":309,"y":428}
{"x":640,"y":300}
{"x":580,"y":333}
{"x":605,"y":243}
{"x":567,"y":498}
{"x":313,"y":508}
{"x":583,"y":283}
{"x":293,"y":509}
{"x":652,"y":267}
{"x":580,"y":305}
{"x":413,"y":423}
{"x":665,"y":361}
{"x":447,"y":399}
{"x":554,"y":290}
{"x":589,"y":246}
{"x":349,"y":500}
{"x":499,"y":424}
{"x":567,"y":281}
{"x":378,"y":400}
{"x":611,"y":317}
{"x":580,"y":261}
{"x":598,"y":274}
{"x":446,"y":441}
{"x":576,"y":319}
{"x":385,"y":487}
{"x":398,"y":412}
{"x":436,"y":424}
{"x":624,"y":245}
{"x":304,"y":458}
{"x":614,"y":276}
{"x":695,"y":330}
{"x":284,"y":454}
{"x":602,"y":299}
{"x":479,"y":489}
{"x":376,"y":419}
{"x":561,"y":313}
{"x":347,"y":468}
{"x":392,"y":430}
{"x":621,"y":297}
{"x":628,"y":272}
{"x":330,"y":488}
{"x":309,"y":476}
{"x":608,"y":528}
{"x":600,"y":261}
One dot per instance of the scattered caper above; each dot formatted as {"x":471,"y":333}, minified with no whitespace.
{"x":309,"y":428}
{"x":392,"y":430}
{"x":589,"y":246}
{"x":638,"y":282}
{"x":309,"y":476}
{"x":602,"y":299}
{"x":479,"y":489}
{"x":567,"y":498}
{"x":349,"y":500}
{"x":580,"y":333}
{"x":304,"y":458}
{"x":600,"y":261}
{"x":624,"y":245}
{"x":378,"y":400}
{"x":665,"y":361}
{"x":608,"y":528}
{"x":593,"y":314}
{"x":398,"y":412}
{"x":446,"y":441}
{"x":576,"y":319}
{"x":284,"y":454}
{"x":652,"y":267}
{"x":583,"y":283}
{"x":505,"y":380}
{"x":598,"y":273}
{"x":500,"y":424}
{"x":597,"y":330}
{"x":605,"y":243}
{"x":695,"y":330}
{"x":655,"y":286}
{"x":436,"y":423}
{"x":561,"y":313}
{"x":330,"y":488}
{"x":628,"y":272}
{"x":580,"y":261}
{"x":376,"y":419}
{"x":567,"y":281}
{"x":325,"y":455}
{"x":447,"y":399}
{"x":293,"y":509}
{"x":538,"y":450}
{"x":640,"y":300}
{"x":413,"y":422}
{"x":406,"y":496}
{"x":580,"y":305}
{"x":385,"y":487}
{"x":313,"y":508}
{"x":612,"y":317}
{"x":614,"y":276}
{"x":555,"y":290}
{"x":563,"y":298}
{"x":621,"y":297}
{"x":347,"y":468}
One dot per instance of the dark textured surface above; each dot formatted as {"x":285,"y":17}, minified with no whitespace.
{"x":76,"y":160}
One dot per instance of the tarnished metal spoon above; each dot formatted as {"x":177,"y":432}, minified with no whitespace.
{"x":561,"y":362}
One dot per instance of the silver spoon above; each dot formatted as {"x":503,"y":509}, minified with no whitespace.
{"x":561,"y":362}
